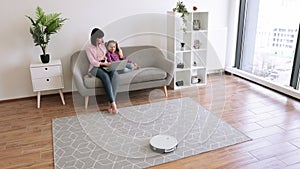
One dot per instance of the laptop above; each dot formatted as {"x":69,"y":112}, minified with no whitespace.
{"x":120,"y":65}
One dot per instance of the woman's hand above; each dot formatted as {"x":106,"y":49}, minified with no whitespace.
{"x":106,"y":64}
{"x":103,"y":58}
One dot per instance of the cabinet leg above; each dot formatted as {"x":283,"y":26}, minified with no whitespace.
{"x":166,"y":91}
{"x":62,"y":96}
{"x":38,"y":99}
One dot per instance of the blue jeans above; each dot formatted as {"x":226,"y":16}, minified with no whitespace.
{"x":110,"y":81}
{"x":129,"y":67}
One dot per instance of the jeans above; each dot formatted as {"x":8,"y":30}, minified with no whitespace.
{"x":129,"y":67}
{"x":110,"y":81}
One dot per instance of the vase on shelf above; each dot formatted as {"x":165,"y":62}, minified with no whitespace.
{"x":196,"y":24}
{"x":196,"y":44}
{"x":182,"y":45}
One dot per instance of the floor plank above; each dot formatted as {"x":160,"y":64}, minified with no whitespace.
{"x":271,"y":119}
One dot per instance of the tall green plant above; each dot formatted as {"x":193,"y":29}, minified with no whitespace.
{"x":43,"y":26}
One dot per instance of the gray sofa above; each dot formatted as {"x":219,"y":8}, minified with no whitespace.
{"x":155,"y":71}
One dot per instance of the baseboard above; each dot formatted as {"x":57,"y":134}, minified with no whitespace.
{"x":215,"y":71}
{"x":34,"y":96}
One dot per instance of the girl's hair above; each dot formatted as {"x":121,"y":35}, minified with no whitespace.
{"x":112,"y":41}
{"x":96,"y":33}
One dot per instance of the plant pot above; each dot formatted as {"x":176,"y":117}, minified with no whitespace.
{"x":45,"y":58}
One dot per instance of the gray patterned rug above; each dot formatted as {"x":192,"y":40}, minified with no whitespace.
{"x":104,"y":141}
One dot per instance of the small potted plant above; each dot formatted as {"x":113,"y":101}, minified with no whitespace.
{"x":42,"y":27}
{"x":180,"y":8}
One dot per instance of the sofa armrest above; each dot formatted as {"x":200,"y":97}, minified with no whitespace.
{"x":166,"y":65}
{"x":78,"y":71}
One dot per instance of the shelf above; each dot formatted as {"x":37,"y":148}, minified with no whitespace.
{"x":182,"y":87}
{"x":192,"y":50}
{"x":195,"y":49}
{"x":183,"y":51}
{"x":198,"y":84}
{"x":199,"y":50}
{"x":198,"y":67}
{"x":197,"y":31}
{"x":182,"y":69}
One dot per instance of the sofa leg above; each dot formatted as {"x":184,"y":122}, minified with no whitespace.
{"x":166,"y":91}
{"x":86,"y":102}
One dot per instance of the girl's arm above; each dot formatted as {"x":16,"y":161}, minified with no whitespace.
{"x":120,"y":52}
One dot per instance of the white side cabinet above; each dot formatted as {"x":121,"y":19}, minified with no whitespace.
{"x":191,"y":59}
{"x":47,"y":77}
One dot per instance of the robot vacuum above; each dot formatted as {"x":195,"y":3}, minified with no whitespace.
{"x":163,"y":143}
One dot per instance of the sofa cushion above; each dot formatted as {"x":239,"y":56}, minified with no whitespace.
{"x":136,"y":76}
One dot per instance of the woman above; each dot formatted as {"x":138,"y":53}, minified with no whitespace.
{"x":98,"y":62}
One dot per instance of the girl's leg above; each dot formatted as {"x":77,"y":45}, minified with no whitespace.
{"x":130,"y":66}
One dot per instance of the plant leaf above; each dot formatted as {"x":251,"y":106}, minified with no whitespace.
{"x":43,"y":26}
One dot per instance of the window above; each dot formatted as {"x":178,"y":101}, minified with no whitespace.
{"x":261,"y":56}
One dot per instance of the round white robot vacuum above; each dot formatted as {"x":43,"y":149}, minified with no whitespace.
{"x":163,"y":143}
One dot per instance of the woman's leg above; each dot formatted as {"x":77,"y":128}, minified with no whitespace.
{"x":105,"y":78}
{"x":114,"y":76}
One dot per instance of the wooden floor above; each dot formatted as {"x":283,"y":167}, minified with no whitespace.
{"x":272,"y":120}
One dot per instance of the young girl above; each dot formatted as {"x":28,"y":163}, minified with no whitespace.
{"x":114,"y":54}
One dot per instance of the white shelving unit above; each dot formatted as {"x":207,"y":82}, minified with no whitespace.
{"x":194,"y":53}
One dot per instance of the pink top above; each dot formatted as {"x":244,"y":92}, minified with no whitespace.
{"x":95,"y":54}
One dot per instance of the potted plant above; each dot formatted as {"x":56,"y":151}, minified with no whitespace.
{"x":42,"y":27}
{"x":180,"y":8}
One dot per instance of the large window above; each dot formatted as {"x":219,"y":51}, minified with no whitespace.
{"x":268,"y":40}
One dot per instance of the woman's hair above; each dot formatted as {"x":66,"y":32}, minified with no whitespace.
{"x":96,"y":33}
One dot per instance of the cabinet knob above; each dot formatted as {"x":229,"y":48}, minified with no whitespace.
{"x":46,"y":68}
{"x":47,"y":80}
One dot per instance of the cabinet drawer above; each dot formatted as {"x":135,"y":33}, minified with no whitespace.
{"x":46,"y":71}
{"x":49,"y":83}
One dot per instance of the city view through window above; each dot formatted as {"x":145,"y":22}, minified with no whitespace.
{"x":275,"y":40}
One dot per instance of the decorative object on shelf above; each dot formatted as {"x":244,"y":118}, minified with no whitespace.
{"x":182,"y":44}
{"x":43,"y":26}
{"x":195,"y":8}
{"x":195,"y":80}
{"x":196,"y":44}
{"x":196,"y":24}
{"x":179,"y":83}
{"x":180,"y":65}
{"x":180,"y":8}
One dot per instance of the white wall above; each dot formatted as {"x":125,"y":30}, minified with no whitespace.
{"x":121,"y":20}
